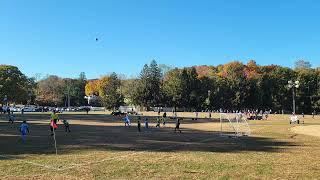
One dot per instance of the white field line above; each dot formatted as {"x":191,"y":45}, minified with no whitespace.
{"x":32,"y":163}
{"x":101,"y":161}
{"x":106,"y":159}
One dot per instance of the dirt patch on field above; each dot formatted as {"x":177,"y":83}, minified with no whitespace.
{"x":312,"y":130}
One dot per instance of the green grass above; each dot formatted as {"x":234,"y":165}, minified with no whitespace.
{"x":99,"y":147}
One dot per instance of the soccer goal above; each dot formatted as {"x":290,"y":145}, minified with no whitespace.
{"x":234,"y":124}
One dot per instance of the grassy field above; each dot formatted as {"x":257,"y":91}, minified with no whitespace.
{"x":100,"y":147}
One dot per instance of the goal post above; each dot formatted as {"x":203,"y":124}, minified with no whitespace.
{"x":234,"y":124}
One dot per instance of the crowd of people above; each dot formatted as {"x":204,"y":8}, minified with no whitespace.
{"x":159,"y":120}
{"x":5,"y":110}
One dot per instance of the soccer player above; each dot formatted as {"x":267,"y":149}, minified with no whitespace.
{"x":164,"y":118}
{"x":139,"y":124}
{"x":158,"y":122}
{"x":177,"y":125}
{"x":11,"y":118}
{"x":66,"y":125}
{"x":127,"y":121}
{"x":313,"y":113}
{"x":146,"y":123}
{"x":24,"y":129}
{"x":54,"y":120}
{"x":8,"y":110}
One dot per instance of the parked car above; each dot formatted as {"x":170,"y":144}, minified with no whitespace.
{"x":70,"y":109}
{"x":29,"y":109}
{"x":59,"y":110}
{"x":97,"y":108}
{"x":258,"y":117}
{"x":84,"y":108}
{"x":15,"y":109}
{"x":117,"y":113}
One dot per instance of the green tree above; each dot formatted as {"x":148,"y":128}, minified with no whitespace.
{"x":191,"y":91}
{"x":147,"y":91}
{"x":128,"y":91}
{"x":315,"y":97}
{"x":15,"y":85}
{"x":74,"y":91}
{"x":276,"y":94}
{"x":109,"y":91}
{"x":183,"y":88}
{"x":79,"y":90}
{"x":173,"y":88}
{"x":306,"y":93}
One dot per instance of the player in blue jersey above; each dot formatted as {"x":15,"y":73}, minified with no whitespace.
{"x":24,"y":129}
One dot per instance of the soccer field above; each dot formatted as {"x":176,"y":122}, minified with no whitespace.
{"x":100,"y":147}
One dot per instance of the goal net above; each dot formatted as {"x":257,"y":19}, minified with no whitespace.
{"x":234,"y":124}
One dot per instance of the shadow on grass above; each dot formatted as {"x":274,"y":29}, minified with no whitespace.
{"x":117,"y":138}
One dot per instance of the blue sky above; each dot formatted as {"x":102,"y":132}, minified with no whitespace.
{"x":58,"y":36}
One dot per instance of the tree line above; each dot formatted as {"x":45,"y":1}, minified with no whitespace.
{"x":232,"y":86}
